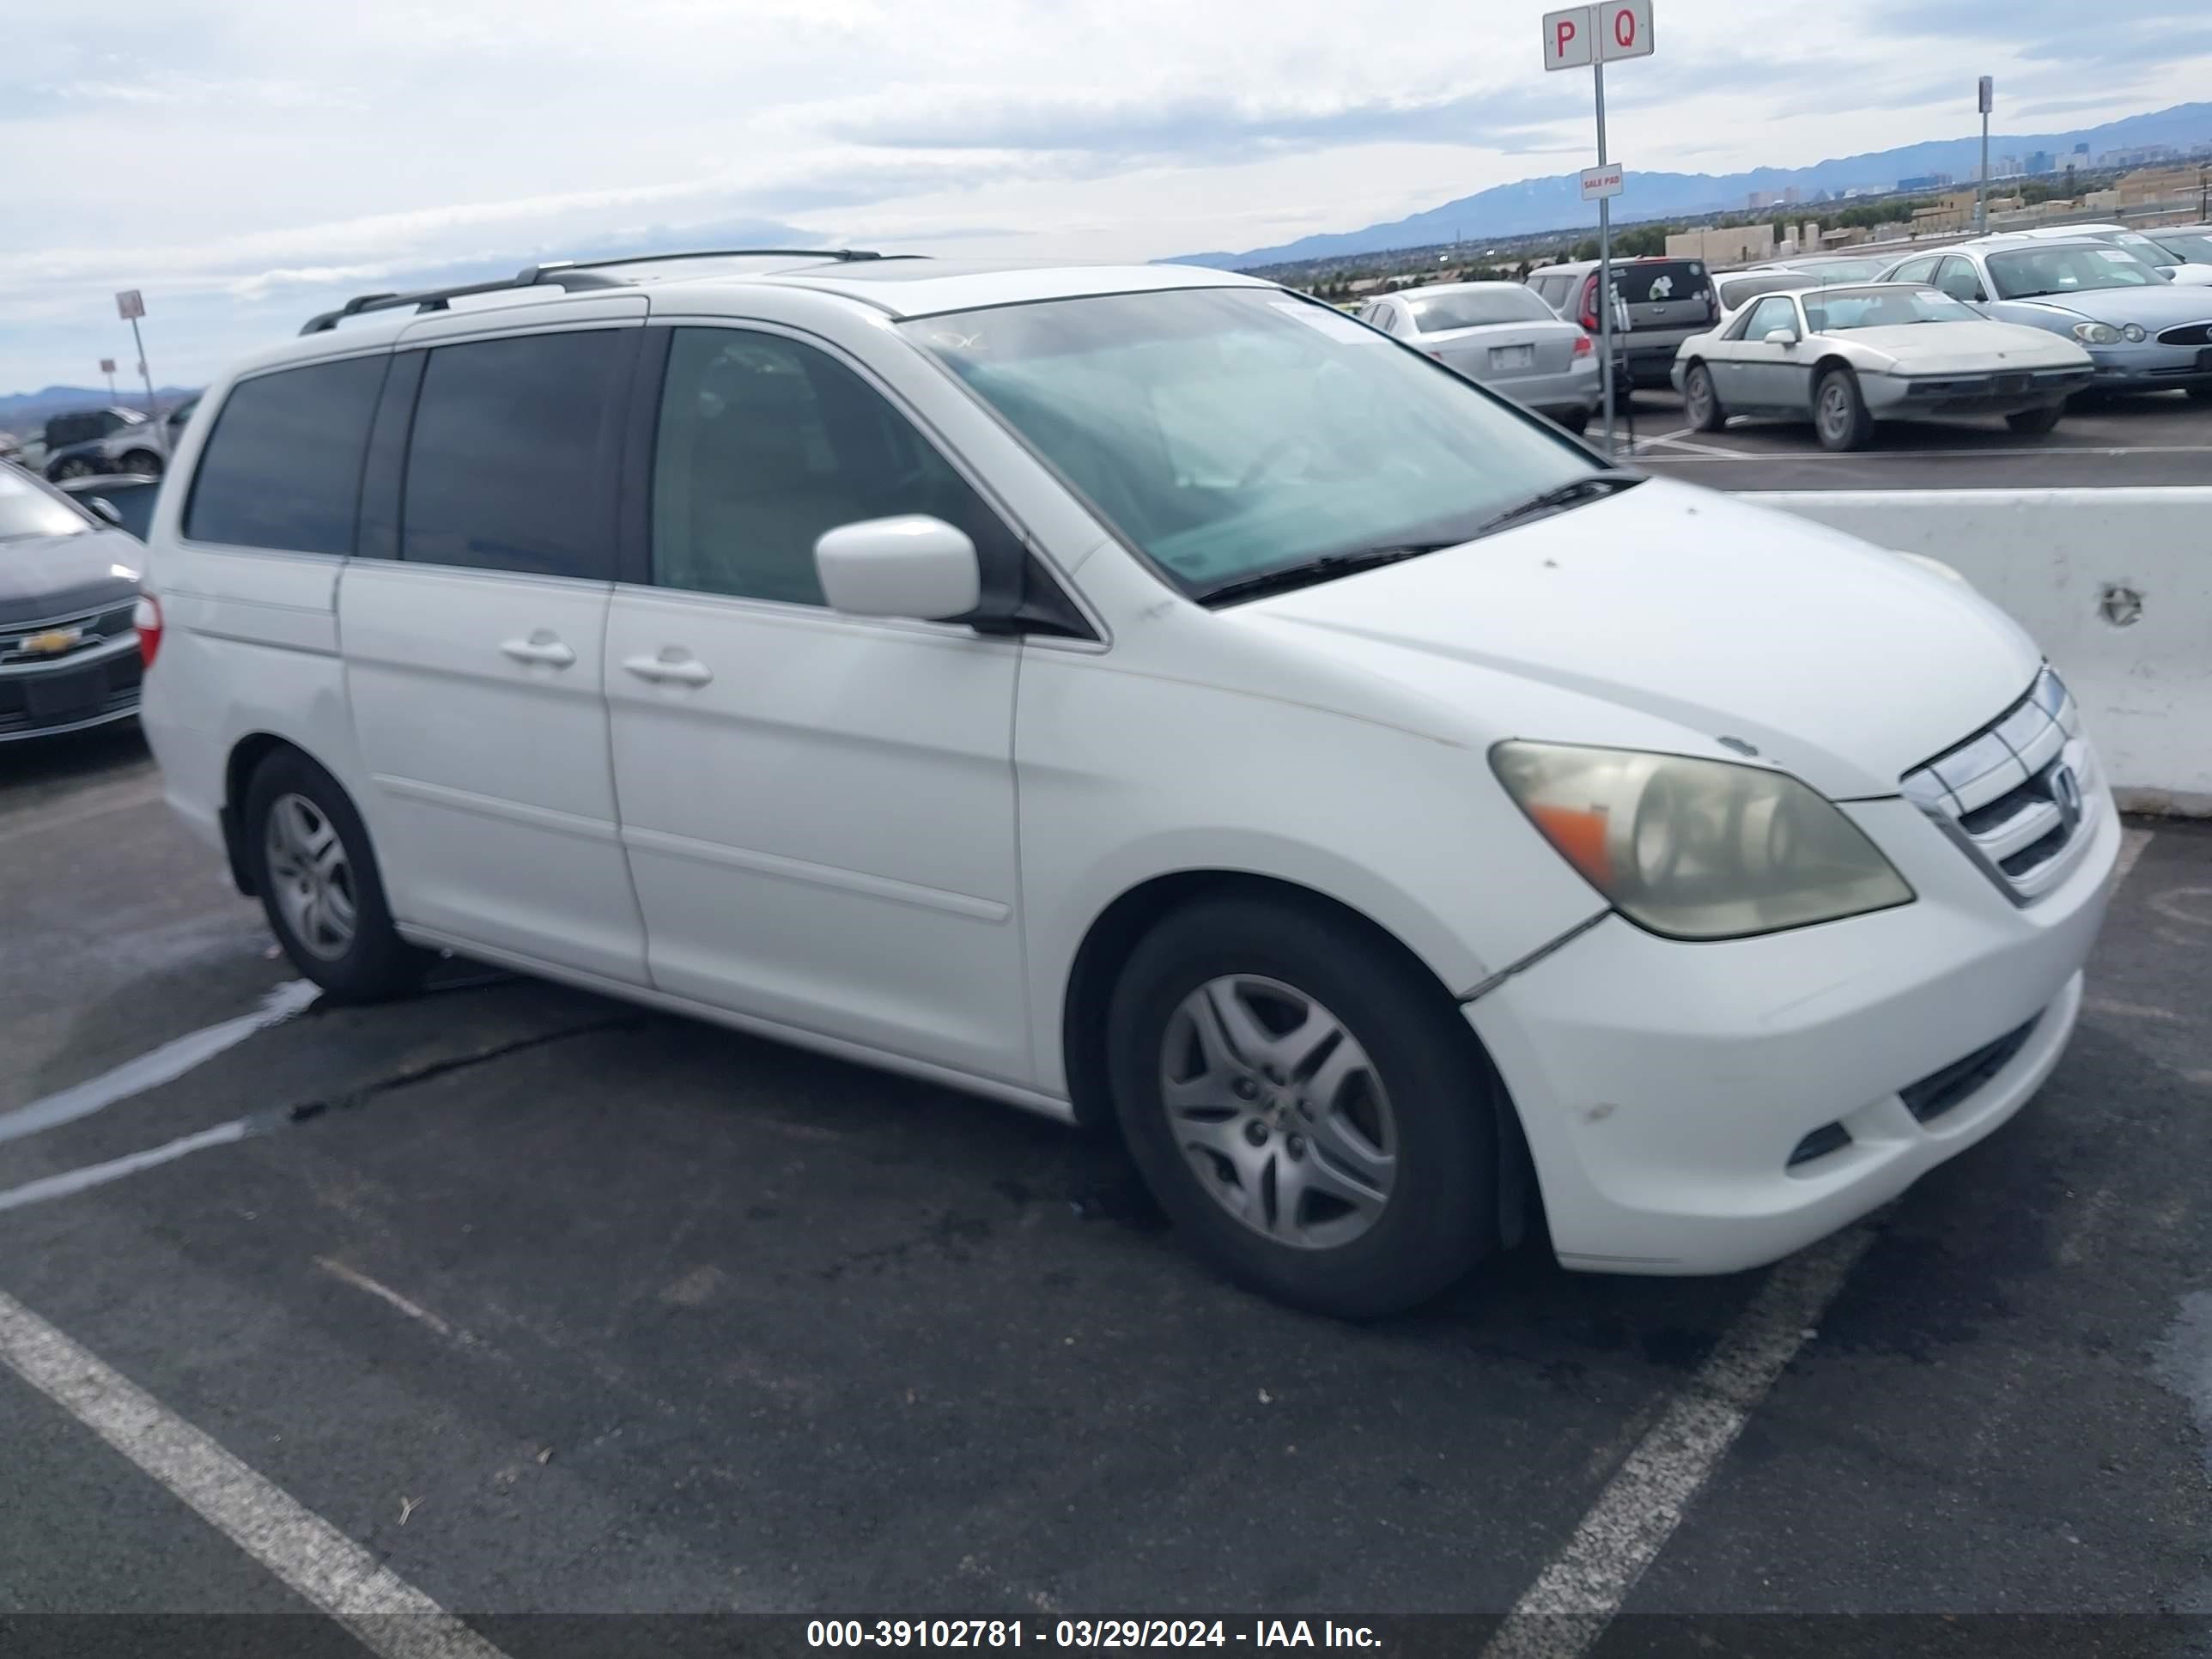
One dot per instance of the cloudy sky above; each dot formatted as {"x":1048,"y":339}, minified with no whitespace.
{"x":245,"y":162}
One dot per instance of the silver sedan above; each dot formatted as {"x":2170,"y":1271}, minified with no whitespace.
{"x":1850,"y":357}
{"x":1504,"y":336}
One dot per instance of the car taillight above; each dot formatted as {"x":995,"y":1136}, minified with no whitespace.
{"x":1589,"y":302}
{"x":1584,"y":346}
{"x":146,"y":617}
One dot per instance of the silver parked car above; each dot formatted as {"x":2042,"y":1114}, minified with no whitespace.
{"x":1850,"y":357}
{"x":2168,"y":255}
{"x":2143,"y":333}
{"x":1502,"y":335}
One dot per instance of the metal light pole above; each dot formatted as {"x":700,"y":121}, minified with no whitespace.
{"x":1987,"y":97}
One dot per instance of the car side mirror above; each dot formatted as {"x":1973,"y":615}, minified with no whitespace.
{"x":105,"y":509}
{"x":1782,"y":336}
{"x":912,"y":565}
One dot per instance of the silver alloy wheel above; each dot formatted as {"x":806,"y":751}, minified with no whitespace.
{"x":310,"y":877}
{"x":1835,"y":409}
{"x":1701,"y":396}
{"x":1280,"y":1111}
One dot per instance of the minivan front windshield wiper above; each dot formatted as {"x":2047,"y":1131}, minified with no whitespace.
{"x":1306,"y":573}
{"x":1572,"y":494}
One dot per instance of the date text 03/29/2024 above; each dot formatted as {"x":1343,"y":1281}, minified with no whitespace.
{"x":1085,"y":1633}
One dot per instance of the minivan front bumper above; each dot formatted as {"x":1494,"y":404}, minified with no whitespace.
{"x":1665,"y":1088}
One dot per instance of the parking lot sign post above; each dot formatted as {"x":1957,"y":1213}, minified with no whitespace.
{"x":131,"y":306}
{"x":107,"y":367}
{"x":1596,"y":35}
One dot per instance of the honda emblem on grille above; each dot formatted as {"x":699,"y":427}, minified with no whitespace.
{"x":2066,"y":791}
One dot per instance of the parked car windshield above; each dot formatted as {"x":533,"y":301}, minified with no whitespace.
{"x":27,"y":509}
{"x":1844,"y":270}
{"x":1734,"y":290}
{"x":1476,"y":307}
{"x":1231,"y":432}
{"x":2193,"y":246}
{"x":2027,"y":272}
{"x":1833,"y":310}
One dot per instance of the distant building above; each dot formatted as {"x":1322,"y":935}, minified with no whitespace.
{"x":2081,"y":149}
{"x":1925,"y":181}
{"x":1760,"y":198}
{"x":2040,"y":161}
{"x":1792,"y":195}
{"x":1743,"y":245}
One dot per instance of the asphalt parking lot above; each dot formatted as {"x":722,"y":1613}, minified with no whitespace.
{"x":546,"y":1305}
{"x":2163,"y":438}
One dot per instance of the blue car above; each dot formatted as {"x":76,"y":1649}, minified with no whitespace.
{"x":2143,"y":333}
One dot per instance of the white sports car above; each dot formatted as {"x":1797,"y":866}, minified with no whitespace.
{"x":1847,"y":357}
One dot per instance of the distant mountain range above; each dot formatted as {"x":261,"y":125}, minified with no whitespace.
{"x":23,"y":411}
{"x":1556,"y":203}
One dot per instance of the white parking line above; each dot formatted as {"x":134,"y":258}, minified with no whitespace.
{"x":72,"y":1182}
{"x":383,"y":1611}
{"x":1576,"y":1596}
{"x":158,"y":1065}
{"x":2132,"y":842}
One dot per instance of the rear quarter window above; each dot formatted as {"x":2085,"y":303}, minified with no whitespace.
{"x":282,"y":467}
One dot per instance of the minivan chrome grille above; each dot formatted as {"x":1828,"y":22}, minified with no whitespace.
{"x":2014,"y":795}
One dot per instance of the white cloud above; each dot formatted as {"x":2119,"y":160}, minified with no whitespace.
{"x":246,"y":162}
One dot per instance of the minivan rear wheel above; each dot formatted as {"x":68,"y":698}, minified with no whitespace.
{"x":1306,"y":1104}
{"x":316,"y":873}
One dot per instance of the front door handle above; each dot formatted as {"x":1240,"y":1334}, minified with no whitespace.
{"x":542,"y":646}
{"x":672,"y":664}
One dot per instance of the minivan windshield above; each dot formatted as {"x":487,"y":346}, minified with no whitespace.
{"x":1230,"y":432}
{"x":27,"y":510}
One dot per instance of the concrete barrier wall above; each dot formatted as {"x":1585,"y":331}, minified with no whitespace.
{"x":2115,"y":585}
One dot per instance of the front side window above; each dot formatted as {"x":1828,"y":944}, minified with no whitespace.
{"x":1958,"y":278}
{"x":505,"y":467}
{"x":1476,"y":307}
{"x":2032,"y":272}
{"x":1915,"y":271}
{"x":765,"y":443}
{"x":28,"y":509}
{"x":1774,"y":311}
{"x":282,"y":467}
{"x":1230,"y":432}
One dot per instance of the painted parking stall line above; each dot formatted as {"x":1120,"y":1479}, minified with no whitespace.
{"x":382,"y":1611}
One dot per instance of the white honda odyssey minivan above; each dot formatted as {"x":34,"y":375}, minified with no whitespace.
{"x":1150,"y":697}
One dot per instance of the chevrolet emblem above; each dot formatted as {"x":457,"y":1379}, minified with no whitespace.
{"x":54,"y":642}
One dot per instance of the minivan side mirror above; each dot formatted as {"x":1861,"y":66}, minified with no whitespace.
{"x":1782,"y":336}
{"x":912,"y":565}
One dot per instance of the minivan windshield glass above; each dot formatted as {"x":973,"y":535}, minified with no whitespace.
{"x":1229,"y":431}
{"x":2070,"y":269}
{"x":1833,"y":310}
{"x":1476,"y":307}
{"x":27,"y":510}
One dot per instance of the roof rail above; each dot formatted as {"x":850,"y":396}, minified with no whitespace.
{"x":560,"y":273}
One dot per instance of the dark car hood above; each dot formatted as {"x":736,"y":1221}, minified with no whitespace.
{"x":44,"y":576}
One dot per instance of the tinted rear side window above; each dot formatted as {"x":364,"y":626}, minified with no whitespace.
{"x":507,"y":468}
{"x":282,"y":467}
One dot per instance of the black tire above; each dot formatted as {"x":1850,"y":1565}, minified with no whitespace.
{"x":1846,"y":425}
{"x":1701,"y":400}
{"x":376,"y":964}
{"x":143,"y":462}
{"x":1439,"y":1216}
{"x":1576,"y":420}
{"x":2034,"y":422}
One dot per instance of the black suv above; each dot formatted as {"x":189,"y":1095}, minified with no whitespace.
{"x":1662,"y":303}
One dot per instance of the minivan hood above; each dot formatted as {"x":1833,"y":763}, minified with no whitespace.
{"x":44,"y":576}
{"x":1847,"y":665}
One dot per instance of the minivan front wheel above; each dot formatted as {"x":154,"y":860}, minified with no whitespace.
{"x":317,"y":877}
{"x":1306,"y":1106}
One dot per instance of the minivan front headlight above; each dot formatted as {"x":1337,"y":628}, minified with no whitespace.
{"x":1699,"y":850}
